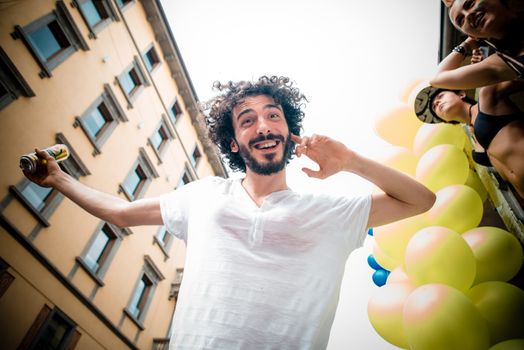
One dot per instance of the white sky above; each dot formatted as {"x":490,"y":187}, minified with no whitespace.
{"x":351,"y":58}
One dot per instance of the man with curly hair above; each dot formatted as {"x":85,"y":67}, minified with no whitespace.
{"x":264,"y":264}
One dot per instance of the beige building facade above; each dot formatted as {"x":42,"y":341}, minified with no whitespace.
{"x":105,"y":78}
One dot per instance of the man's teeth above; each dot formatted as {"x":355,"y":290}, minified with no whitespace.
{"x":266,"y":145}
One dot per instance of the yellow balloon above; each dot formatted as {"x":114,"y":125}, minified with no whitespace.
{"x":399,"y":158}
{"x":502,"y":306}
{"x":513,"y":344}
{"x":394,"y":237}
{"x":437,"y":254}
{"x":385,"y":312}
{"x":441,"y":166}
{"x":384,"y":259}
{"x":498,"y":253}
{"x":398,"y":126}
{"x":474,"y":182}
{"x":398,"y":275}
{"x":439,"y":317}
{"x":431,"y":135}
{"x":457,"y":207}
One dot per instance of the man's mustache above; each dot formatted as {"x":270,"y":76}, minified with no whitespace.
{"x":266,"y":138}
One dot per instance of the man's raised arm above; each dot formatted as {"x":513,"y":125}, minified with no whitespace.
{"x":403,"y":196}
{"x":107,"y":207}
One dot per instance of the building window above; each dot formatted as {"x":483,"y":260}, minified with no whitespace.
{"x":143,"y":291}
{"x":100,"y":251}
{"x":164,"y":239}
{"x":51,"y":39}
{"x":140,"y":296}
{"x":42,"y":201}
{"x":96,"y":14}
{"x":123,"y":3}
{"x":5,"y":277}
{"x":195,"y":156}
{"x":132,"y":81}
{"x":52,"y":329}
{"x":135,"y":181}
{"x":72,"y":165}
{"x":160,"y":139}
{"x":151,"y":58}
{"x":139,"y":178}
{"x":185,"y":178}
{"x":175,"y":113}
{"x":100,"y":119}
{"x":12,"y":84}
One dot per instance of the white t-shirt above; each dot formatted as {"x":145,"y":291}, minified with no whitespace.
{"x":263,"y":277}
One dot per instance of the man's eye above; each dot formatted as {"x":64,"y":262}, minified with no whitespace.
{"x":246,"y":121}
{"x":274,"y":116}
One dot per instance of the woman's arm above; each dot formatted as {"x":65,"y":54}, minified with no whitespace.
{"x":452,"y":74}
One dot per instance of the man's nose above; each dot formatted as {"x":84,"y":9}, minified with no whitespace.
{"x":263,"y":127}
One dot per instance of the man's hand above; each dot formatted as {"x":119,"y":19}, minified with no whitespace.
{"x":330,"y":155}
{"x":47,"y":172}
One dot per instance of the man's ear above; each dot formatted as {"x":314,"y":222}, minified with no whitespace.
{"x":234,"y":146}
{"x":462,"y":94}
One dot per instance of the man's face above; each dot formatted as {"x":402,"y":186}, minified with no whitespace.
{"x":481,"y":19}
{"x":261,"y":134}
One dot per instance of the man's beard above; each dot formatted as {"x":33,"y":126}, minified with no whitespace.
{"x":271,"y":166}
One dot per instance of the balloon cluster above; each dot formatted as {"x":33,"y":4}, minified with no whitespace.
{"x":446,"y":283}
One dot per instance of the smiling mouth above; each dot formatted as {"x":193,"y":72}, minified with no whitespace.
{"x":266,"y":145}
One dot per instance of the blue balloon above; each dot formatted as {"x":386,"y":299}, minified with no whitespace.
{"x":380,"y":277}
{"x":370,"y":231}
{"x":373,"y":263}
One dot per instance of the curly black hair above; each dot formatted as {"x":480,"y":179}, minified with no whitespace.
{"x":219,"y":120}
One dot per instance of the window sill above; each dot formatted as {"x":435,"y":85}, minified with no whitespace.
{"x":92,"y":274}
{"x":134,"y":319}
{"x":162,"y":248}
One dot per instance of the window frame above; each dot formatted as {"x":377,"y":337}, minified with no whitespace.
{"x":168,"y":136}
{"x":151,"y":66}
{"x":141,"y":76}
{"x":175,"y":112}
{"x":159,"y":239}
{"x":195,"y":160}
{"x":40,"y":324}
{"x":151,"y":273}
{"x":115,"y":239}
{"x":124,"y":5}
{"x":68,"y":29}
{"x":6,"y":278}
{"x":54,"y":197}
{"x":110,"y":12}
{"x":185,"y":174}
{"x":12,"y":81}
{"x":51,"y":201}
{"x":115,"y":114}
{"x":73,"y":165}
{"x":146,"y":166}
